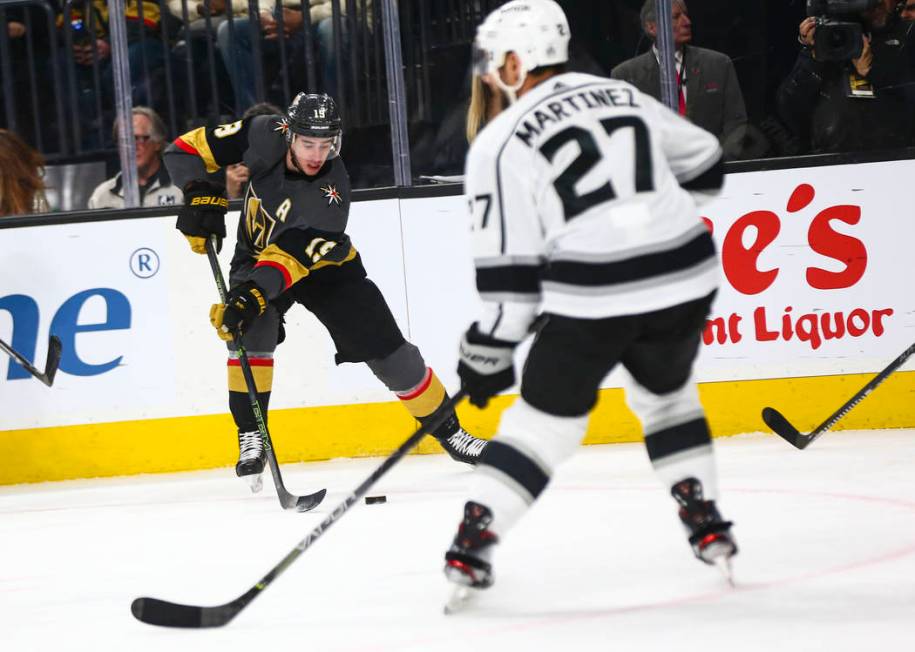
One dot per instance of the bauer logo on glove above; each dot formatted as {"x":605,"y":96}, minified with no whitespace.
{"x":203,"y":214}
{"x":221,"y":202}
{"x":486,"y":366}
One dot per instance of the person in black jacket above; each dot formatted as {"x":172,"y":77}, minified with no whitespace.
{"x":867,"y":103}
{"x":708,"y":91}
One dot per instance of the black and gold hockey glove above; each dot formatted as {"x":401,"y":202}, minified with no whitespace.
{"x":243,"y":305}
{"x":203,"y":214}
{"x":486,"y":366}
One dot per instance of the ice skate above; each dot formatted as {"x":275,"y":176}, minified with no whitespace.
{"x":467,"y":562}
{"x":457,"y":442}
{"x":709,"y":535}
{"x":251,"y":459}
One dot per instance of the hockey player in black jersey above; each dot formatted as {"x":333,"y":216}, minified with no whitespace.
{"x":292,"y":247}
{"x":583,"y":194}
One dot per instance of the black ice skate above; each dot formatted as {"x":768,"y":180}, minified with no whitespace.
{"x":709,"y":535}
{"x":457,"y":442}
{"x":251,"y":459}
{"x":467,"y":562}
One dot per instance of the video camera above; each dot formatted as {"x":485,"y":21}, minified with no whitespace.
{"x":837,"y":39}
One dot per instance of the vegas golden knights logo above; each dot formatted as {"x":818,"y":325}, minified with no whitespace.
{"x":258,"y":224}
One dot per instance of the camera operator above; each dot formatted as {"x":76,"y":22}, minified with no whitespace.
{"x":853,"y":86}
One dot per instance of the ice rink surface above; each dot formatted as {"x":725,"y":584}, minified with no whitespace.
{"x":827,"y":558}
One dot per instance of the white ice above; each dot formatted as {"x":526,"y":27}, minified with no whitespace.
{"x":826,"y":535}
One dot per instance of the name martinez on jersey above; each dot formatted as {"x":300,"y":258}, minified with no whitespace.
{"x":592,"y":99}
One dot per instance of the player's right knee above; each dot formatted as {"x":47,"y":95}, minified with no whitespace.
{"x":401,"y":370}
{"x":662,"y":411}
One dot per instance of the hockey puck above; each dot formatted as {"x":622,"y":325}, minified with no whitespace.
{"x":375,"y":500}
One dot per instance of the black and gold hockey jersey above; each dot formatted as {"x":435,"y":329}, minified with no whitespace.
{"x":282,"y":209}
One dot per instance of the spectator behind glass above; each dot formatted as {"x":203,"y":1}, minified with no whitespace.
{"x":237,"y":175}
{"x":29,"y":46}
{"x":708,"y":91}
{"x":146,"y":54}
{"x":866,"y":103}
{"x":907,"y":12}
{"x":156,"y":188}
{"x":195,"y":39}
{"x":487,"y":101}
{"x":238,"y":56}
{"x":21,"y":172}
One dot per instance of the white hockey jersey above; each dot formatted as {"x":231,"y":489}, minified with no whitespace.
{"x":577,"y":206}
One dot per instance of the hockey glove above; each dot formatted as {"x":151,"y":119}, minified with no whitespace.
{"x":243,"y":305}
{"x":203,"y":214}
{"x":486,"y":366}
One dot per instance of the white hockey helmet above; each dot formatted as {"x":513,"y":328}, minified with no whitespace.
{"x":535,"y":30}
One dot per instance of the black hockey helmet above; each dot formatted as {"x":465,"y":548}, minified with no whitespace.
{"x":314,"y":115}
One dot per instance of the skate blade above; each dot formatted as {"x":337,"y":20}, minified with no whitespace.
{"x":255,"y":482}
{"x":723,"y":564}
{"x":460,"y":597}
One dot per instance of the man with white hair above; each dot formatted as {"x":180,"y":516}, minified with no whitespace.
{"x":156,"y":187}
{"x":585,"y":231}
{"x":708,"y":93}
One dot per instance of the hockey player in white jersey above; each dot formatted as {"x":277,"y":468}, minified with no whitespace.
{"x":583,"y":194}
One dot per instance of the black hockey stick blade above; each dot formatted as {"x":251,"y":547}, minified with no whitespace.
{"x":789,"y":433}
{"x":288,"y":500}
{"x":173,"y":614}
{"x":309,"y":502}
{"x":50,"y":367}
{"x":166,"y":614}
{"x":53,"y":361}
{"x":781,"y":427}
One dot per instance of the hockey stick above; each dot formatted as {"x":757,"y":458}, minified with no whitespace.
{"x":781,"y":427}
{"x":171,"y":614}
{"x":50,"y":366}
{"x":287,"y":500}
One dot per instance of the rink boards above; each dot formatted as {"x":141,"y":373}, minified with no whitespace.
{"x":815,"y":297}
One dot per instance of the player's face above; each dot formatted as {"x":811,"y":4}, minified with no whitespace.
{"x":311,"y":153}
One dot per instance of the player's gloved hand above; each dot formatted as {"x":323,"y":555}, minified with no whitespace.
{"x":243,"y":305}
{"x":486,"y":366}
{"x":203,"y":214}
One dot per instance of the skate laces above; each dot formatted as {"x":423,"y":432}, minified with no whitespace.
{"x":465,"y":443}
{"x":250,"y":446}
